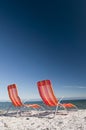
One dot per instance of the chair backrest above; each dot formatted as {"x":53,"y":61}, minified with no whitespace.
{"x":13,"y":95}
{"x":46,"y":92}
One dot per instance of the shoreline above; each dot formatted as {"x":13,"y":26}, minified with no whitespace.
{"x":74,"y":120}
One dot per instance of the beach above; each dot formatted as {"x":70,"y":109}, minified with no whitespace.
{"x":73,"y":120}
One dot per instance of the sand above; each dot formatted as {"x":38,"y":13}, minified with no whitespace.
{"x":73,"y":120}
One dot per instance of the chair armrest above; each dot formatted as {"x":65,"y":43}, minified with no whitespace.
{"x":60,"y":100}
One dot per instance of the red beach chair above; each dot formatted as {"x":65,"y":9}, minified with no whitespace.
{"x":15,"y":99}
{"x":47,"y":94}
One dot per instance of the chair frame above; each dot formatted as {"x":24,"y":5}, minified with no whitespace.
{"x":16,"y":100}
{"x":46,"y":84}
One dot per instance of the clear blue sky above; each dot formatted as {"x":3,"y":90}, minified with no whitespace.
{"x":43,"y":40}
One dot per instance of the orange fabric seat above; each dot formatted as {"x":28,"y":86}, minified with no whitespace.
{"x":32,"y":105}
{"x":68,"y":105}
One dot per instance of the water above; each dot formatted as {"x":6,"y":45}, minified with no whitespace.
{"x":81,"y":104}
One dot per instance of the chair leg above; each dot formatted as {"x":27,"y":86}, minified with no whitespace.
{"x":76,"y":107}
{"x":56,"y":110}
{"x":19,"y":111}
{"x":8,"y":109}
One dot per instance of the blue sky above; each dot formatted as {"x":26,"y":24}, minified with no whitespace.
{"x":43,"y":40}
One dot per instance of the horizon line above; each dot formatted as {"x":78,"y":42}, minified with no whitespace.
{"x":39,"y":99}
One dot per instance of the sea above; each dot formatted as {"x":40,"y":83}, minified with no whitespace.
{"x":80,"y":103}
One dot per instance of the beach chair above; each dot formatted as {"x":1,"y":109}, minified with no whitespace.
{"x":49,"y":99}
{"x":16,"y":101}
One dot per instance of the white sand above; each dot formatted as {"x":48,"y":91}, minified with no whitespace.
{"x":74,"y":120}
